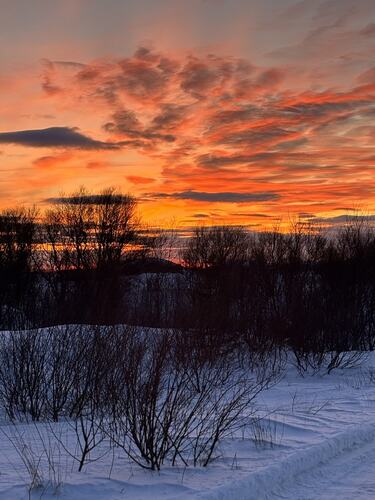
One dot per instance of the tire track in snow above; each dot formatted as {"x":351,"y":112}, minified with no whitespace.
{"x":279,"y":481}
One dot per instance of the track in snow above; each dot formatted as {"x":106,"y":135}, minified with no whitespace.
{"x":350,"y":476}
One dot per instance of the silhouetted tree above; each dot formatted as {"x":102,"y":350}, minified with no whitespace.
{"x":17,"y":236}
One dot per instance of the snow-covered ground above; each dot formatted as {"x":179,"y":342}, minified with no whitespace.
{"x":316,"y":440}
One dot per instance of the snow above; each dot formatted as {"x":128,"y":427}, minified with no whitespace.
{"x":315,"y":438}
{"x":350,"y":475}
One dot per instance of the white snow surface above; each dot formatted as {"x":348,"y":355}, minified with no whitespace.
{"x":318,"y":436}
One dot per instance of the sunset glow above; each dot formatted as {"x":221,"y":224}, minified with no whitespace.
{"x":215,"y":112}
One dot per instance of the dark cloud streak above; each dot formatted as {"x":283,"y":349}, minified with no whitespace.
{"x":216,"y":197}
{"x":54,"y":137}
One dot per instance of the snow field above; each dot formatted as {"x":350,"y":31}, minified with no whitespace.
{"x":305,"y":424}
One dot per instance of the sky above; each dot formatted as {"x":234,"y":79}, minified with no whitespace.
{"x":242,"y":112}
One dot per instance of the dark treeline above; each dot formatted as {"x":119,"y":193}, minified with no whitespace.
{"x":307,"y":292}
{"x":68,"y":265}
{"x":88,"y":260}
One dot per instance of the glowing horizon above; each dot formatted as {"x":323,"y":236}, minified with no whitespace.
{"x":233,"y":113}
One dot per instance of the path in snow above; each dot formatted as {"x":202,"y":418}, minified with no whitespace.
{"x":350,"y":476}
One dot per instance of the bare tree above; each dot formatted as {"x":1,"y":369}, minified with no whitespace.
{"x":17,"y":237}
{"x":215,"y":247}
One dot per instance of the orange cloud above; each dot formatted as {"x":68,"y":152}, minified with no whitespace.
{"x":136,"y":179}
{"x":51,"y":161}
{"x":94,"y":164}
